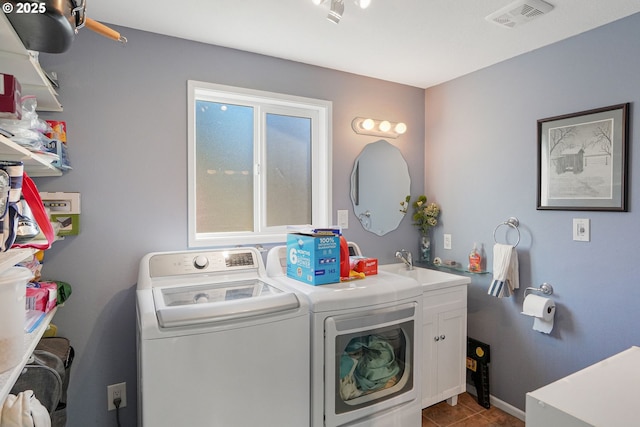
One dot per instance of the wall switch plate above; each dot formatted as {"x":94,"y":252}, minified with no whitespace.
{"x":581,"y":230}
{"x":116,"y":391}
{"x":343,"y":219}
{"x":447,"y":241}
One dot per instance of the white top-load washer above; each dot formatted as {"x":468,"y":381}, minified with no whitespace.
{"x":219,"y":343}
{"x":348,"y":319}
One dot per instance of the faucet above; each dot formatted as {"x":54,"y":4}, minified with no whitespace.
{"x":406,"y":257}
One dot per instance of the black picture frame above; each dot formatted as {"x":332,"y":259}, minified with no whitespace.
{"x":583,"y":160}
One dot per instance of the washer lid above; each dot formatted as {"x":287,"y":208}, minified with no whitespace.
{"x":191,"y":305}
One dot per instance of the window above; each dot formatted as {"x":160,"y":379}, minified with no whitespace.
{"x":258,"y":161}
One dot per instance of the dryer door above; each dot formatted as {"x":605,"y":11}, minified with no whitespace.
{"x":369,"y":360}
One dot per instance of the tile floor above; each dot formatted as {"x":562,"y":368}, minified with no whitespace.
{"x":467,"y":413}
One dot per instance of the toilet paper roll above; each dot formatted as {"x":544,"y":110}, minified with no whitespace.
{"x":542,"y":310}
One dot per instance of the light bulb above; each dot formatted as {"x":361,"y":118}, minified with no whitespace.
{"x":368,"y":124}
{"x":363,"y":4}
{"x":400,"y":128}
{"x":384,"y":126}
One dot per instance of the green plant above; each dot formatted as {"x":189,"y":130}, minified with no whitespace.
{"x":425,"y":214}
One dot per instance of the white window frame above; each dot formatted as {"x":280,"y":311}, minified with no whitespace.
{"x":321,"y":160}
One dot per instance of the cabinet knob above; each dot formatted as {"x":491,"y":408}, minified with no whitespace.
{"x":442,"y":337}
{"x":436,"y":338}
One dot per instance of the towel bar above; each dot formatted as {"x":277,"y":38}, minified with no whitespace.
{"x":512,"y":222}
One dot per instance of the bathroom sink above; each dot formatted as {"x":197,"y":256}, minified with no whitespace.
{"x":428,"y":278}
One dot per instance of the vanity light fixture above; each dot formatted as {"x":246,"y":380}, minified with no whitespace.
{"x":373,"y":127}
{"x":336,"y":8}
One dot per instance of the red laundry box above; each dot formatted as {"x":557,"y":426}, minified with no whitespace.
{"x":368,"y":266}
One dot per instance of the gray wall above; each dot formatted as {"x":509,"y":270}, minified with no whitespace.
{"x":126,"y":109}
{"x":481,"y":148}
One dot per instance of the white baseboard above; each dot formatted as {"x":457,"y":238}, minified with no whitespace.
{"x":500,"y":404}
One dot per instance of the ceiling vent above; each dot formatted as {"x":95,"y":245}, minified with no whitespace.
{"x":519,"y":12}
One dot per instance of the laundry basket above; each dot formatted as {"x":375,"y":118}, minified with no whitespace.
{"x":48,"y":376}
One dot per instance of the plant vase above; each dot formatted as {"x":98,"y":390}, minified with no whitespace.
{"x":425,"y":248}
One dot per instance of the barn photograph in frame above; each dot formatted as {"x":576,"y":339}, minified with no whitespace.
{"x":582,"y":160}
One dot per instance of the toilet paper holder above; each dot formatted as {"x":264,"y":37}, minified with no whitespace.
{"x":545,"y":288}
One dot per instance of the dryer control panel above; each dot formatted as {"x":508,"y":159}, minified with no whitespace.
{"x":220,"y":261}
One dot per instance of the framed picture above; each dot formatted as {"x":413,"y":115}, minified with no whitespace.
{"x":582,"y":160}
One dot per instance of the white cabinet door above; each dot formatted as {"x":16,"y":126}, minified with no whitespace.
{"x":430,"y":355}
{"x":452,"y":375}
{"x":444,"y":345}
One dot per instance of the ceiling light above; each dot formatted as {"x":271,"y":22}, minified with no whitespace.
{"x":335,"y":13}
{"x":337,"y":8}
{"x":373,"y":127}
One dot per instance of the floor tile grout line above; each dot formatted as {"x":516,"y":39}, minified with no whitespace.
{"x":461,"y":420}
{"x":482,"y":413}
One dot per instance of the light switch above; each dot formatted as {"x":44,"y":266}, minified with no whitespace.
{"x":581,"y":230}
{"x":343,"y":219}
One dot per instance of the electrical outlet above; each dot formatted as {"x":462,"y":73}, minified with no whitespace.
{"x":447,"y":241}
{"x":115,"y":391}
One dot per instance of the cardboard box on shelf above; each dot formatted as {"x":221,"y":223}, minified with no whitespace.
{"x":41,"y":296}
{"x":10,"y":97}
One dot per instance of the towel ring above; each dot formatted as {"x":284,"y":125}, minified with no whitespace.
{"x":511,"y":222}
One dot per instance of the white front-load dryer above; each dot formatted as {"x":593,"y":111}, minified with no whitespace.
{"x":366,"y":347}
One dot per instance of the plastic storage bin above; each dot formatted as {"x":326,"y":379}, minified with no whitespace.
{"x":13,"y":285}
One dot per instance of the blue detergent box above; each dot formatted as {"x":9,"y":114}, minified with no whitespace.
{"x":314,"y":258}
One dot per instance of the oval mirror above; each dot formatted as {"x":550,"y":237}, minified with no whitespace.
{"x":379,"y":183}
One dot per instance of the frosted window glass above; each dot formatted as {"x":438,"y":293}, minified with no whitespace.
{"x":288,"y":170}
{"x":224,"y":167}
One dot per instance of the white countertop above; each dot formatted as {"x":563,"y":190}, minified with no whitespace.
{"x":429,"y":279}
{"x":604,"y":394}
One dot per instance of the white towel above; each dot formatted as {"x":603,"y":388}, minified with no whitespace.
{"x":24,"y":410}
{"x":505,"y":271}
